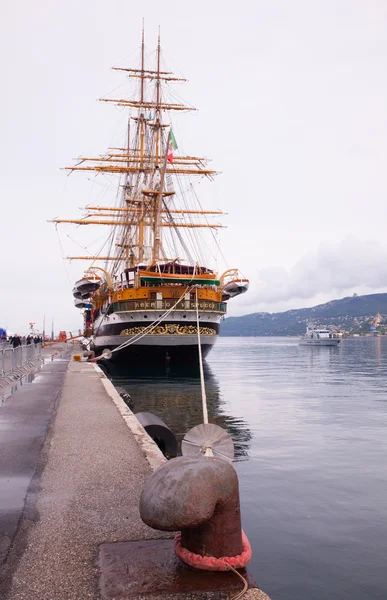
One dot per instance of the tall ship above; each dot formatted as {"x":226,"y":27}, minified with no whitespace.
{"x":151,"y":297}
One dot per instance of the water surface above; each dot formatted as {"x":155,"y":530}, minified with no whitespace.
{"x":310,"y":430}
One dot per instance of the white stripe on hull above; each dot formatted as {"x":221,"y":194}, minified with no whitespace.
{"x":319,"y":342}
{"x":148,"y":317}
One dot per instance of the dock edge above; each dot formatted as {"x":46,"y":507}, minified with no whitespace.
{"x":153,"y":454}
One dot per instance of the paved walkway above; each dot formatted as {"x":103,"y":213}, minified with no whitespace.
{"x":24,"y":421}
{"x":89,"y":494}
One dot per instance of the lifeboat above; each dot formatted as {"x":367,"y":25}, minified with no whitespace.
{"x":79,"y":303}
{"x":234,"y":288}
{"x":84,"y":287}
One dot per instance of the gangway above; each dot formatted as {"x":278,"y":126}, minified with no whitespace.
{"x":69,"y":339}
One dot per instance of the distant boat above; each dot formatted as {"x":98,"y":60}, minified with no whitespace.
{"x":319,"y":337}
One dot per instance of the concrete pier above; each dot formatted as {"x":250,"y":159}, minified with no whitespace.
{"x":76,"y":459}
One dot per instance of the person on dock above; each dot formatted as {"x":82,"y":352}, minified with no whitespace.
{"x":15,"y":341}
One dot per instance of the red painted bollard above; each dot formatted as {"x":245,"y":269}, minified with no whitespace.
{"x":198,"y":497}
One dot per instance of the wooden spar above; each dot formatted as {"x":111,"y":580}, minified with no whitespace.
{"x":159,"y":198}
{"x":140,"y":213}
{"x":139,"y":159}
{"x":157,"y":116}
{"x":174,"y":212}
{"x":142,"y":63}
{"x":128,"y":162}
{"x":158,"y":86}
{"x":149,"y":157}
{"x":93,"y":258}
{"x":142,"y":121}
{"x":123,"y":169}
{"x":140,"y":71}
{"x":123,"y":149}
{"x":179,"y":79}
{"x":139,"y":104}
{"x":130,"y":223}
{"x":142,"y":146}
{"x":157,"y":157}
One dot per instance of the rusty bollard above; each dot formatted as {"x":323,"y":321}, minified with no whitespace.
{"x":198,"y":496}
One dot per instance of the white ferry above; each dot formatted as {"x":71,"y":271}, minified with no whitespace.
{"x":319,"y":337}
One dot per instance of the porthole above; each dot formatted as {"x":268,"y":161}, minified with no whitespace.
{"x":184,"y":316}
{"x":145,"y":316}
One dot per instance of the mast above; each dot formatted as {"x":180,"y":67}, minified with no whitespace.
{"x":159,"y":196}
{"x":148,"y":204}
{"x":142,"y":145}
{"x":142,"y":120}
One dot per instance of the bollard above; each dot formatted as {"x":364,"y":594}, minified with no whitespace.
{"x":200,"y":497}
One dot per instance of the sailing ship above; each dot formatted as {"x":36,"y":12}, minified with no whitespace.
{"x":154,"y":299}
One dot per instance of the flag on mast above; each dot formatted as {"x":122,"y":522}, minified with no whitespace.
{"x":171,"y":146}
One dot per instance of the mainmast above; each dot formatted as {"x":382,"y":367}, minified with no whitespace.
{"x":142,"y":144}
{"x":147,"y":205}
{"x":158,"y":198}
{"x":142,"y":117}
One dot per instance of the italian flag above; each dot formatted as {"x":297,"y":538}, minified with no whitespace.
{"x":171,"y":146}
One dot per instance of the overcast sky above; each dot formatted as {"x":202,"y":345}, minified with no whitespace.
{"x":292,"y":100}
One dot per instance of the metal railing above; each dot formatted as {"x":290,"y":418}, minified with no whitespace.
{"x":11,"y":359}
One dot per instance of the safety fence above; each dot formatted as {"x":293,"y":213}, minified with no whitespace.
{"x":13,"y":359}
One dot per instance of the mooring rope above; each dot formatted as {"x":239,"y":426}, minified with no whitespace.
{"x":148,"y":329}
{"x":208,"y":450}
{"x":203,"y":388}
{"x":245,"y":584}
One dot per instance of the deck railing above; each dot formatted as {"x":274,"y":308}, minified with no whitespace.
{"x":13,"y":358}
{"x":131,"y":305}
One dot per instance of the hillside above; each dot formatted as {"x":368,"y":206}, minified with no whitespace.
{"x":351,"y":314}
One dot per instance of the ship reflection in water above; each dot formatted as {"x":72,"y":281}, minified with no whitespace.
{"x":174,"y":395}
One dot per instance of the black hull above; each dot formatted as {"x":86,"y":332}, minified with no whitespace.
{"x":156,"y":355}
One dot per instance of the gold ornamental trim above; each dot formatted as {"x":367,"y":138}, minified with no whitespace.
{"x":170,"y":330}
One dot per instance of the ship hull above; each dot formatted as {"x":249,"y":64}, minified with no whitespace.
{"x":170,"y":342}
{"x":314,"y":342}
{"x":172,"y":352}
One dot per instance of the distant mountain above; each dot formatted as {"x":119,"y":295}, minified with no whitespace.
{"x":351,"y":314}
